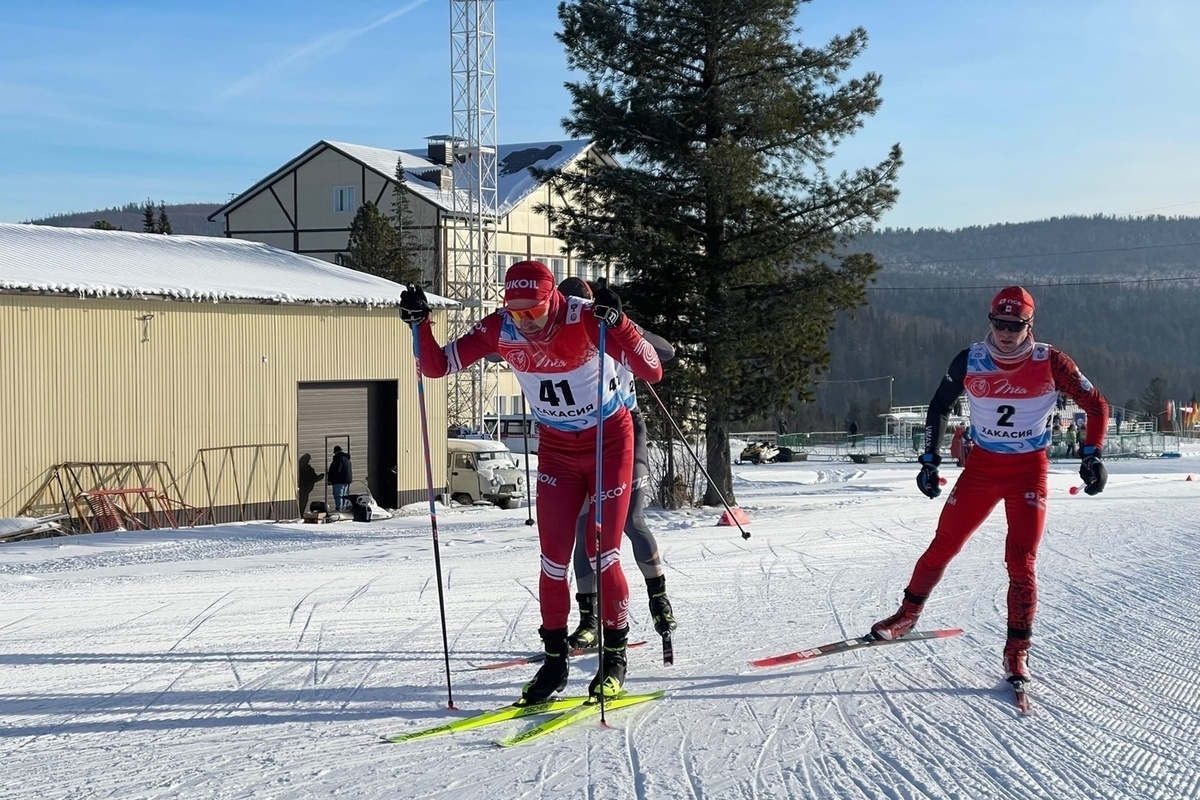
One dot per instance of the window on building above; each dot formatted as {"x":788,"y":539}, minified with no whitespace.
{"x":559,"y":267}
{"x":590,"y":271}
{"x":343,"y":199}
{"x":503,"y":262}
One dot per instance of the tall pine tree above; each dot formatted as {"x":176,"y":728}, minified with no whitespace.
{"x":1154,"y":400}
{"x":410,"y":253}
{"x":372,"y":247}
{"x":723,"y":213}
{"x":148,"y":223}
{"x":163,"y":225}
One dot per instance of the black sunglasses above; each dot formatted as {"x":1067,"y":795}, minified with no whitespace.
{"x":1016,"y":326}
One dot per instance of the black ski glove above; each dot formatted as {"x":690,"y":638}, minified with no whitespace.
{"x":414,"y":307}
{"x":928,"y":480}
{"x":1092,"y":470}
{"x":607,"y":305}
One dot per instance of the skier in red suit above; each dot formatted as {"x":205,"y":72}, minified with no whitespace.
{"x":551,"y":344}
{"x":956,"y":445}
{"x":1012,"y":384}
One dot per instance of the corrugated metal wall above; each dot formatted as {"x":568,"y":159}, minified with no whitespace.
{"x":92,"y":379}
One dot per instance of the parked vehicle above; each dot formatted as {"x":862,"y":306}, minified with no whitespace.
{"x":515,"y":431}
{"x":483,"y":469}
{"x":759,"y":453}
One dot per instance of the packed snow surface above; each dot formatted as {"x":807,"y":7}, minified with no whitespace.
{"x":265,"y":660}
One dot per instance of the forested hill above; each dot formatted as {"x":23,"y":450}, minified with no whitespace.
{"x":1059,"y":247}
{"x":190,"y":219}
{"x":1121,"y":296}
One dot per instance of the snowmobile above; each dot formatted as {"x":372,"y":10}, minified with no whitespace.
{"x":759,"y":453}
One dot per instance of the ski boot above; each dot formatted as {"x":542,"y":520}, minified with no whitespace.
{"x":660,"y":606}
{"x":589,"y":624}
{"x":902,"y":621}
{"x":1016,"y":659}
{"x":551,"y":677}
{"x":610,"y":679}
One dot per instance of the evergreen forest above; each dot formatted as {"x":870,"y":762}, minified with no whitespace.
{"x":1120,"y":295}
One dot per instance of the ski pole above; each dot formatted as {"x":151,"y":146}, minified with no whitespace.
{"x":528,"y":483}
{"x":437,"y":558}
{"x":692,"y":453}
{"x":599,"y":495}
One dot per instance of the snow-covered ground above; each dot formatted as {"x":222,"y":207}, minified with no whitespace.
{"x":263,"y":661}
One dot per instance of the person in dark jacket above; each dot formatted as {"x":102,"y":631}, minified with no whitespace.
{"x":340,"y":475}
{"x":306,"y":480}
{"x":645,"y":546}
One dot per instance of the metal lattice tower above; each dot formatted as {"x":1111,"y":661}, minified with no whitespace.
{"x":469,"y":278}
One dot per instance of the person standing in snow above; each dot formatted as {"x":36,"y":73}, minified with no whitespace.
{"x":956,"y":444}
{"x":1011,"y":384}
{"x":645,"y":546}
{"x":341,"y":475}
{"x":307,"y":479}
{"x":1072,"y":436}
{"x":551,"y":342}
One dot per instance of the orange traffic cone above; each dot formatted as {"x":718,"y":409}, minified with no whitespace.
{"x":738,"y":514}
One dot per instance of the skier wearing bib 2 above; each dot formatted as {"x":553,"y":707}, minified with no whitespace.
{"x":1012,"y":383}
{"x":551,"y":344}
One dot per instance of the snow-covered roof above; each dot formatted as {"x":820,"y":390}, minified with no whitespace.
{"x":89,"y":262}
{"x":515,"y":181}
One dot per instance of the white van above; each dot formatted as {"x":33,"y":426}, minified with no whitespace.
{"x":517,"y":431}
{"x":483,"y":469}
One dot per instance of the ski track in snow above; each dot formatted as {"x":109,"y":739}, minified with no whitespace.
{"x":263,"y":661}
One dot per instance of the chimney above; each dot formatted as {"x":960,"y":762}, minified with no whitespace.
{"x":440,"y":148}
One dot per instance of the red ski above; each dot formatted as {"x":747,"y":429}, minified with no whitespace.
{"x":853,"y":644}
{"x":537,"y":658}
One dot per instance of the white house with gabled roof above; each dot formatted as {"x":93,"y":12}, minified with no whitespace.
{"x":308,"y":204}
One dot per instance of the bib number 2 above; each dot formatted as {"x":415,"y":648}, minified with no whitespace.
{"x":1006,"y":413}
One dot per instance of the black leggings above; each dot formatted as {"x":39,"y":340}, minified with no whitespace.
{"x":645,"y":546}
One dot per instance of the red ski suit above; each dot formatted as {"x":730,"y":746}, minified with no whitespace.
{"x":561,"y":375}
{"x":1012,"y":405}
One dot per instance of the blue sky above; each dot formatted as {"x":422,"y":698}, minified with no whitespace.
{"x":1006,"y":111}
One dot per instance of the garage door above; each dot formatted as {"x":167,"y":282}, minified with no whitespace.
{"x":360,"y":417}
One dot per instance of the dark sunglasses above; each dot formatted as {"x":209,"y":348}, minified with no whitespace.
{"x":1015,"y":326}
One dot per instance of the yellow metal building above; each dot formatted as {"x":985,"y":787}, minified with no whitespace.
{"x":211,"y":373}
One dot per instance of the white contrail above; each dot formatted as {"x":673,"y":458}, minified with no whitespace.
{"x":328,"y":43}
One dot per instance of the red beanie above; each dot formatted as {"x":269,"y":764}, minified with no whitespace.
{"x":1013,"y":301}
{"x":528,"y":280}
